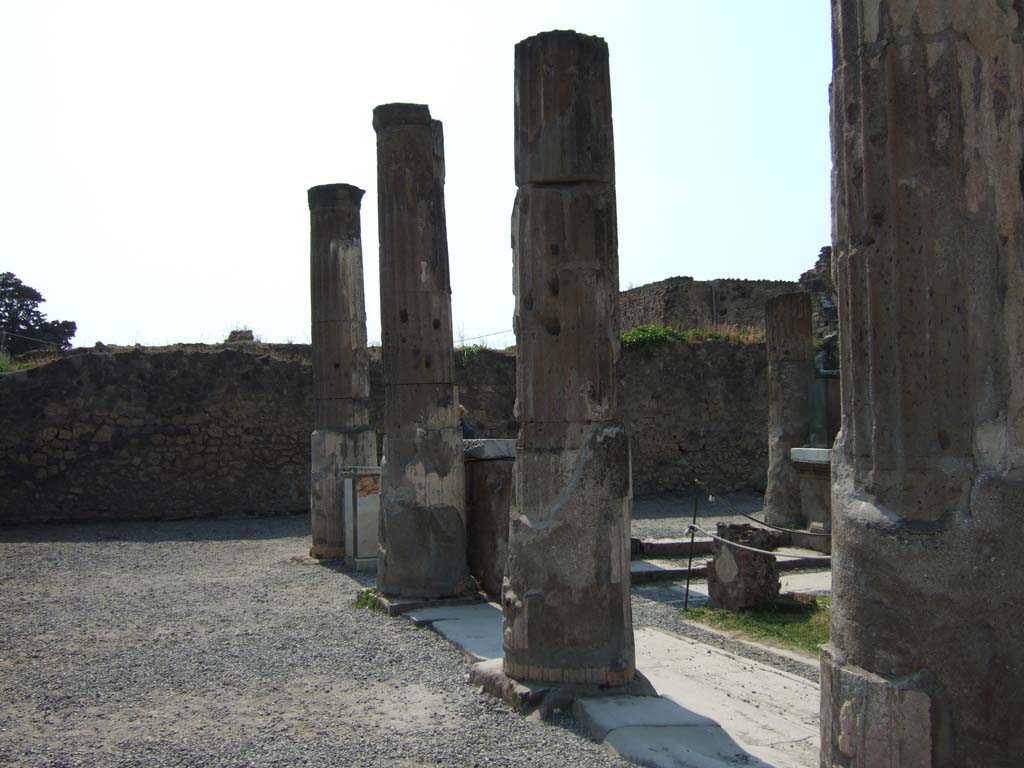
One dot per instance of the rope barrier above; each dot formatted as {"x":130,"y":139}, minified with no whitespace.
{"x":30,"y":338}
{"x":754,"y":549}
{"x":760,"y":522}
{"x":484,"y":336}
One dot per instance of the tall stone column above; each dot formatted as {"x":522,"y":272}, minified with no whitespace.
{"x":423,"y":516}
{"x":926,"y":664}
{"x":566,"y":593}
{"x":342,"y":434}
{"x":789,"y":337}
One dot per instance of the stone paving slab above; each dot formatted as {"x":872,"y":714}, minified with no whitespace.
{"x":601,"y":715}
{"x":474,"y":628}
{"x":764,"y":714}
{"x":681,"y":747}
{"x":770,"y":713}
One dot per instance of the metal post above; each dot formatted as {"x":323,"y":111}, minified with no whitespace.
{"x":693,"y":531}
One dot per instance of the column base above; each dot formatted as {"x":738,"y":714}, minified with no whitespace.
{"x":868,"y":720}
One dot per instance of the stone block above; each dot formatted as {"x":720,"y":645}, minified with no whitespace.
{"x":566,"y":597}
{"x":739,"y":578}
{"x":563,"y":112}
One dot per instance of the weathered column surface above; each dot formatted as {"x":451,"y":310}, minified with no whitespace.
{"x":423,"y":519}
{"x":342,"y":434}
{"x":789,"y":337}
{"x":566,"y":593}
{"x":926,"y":664}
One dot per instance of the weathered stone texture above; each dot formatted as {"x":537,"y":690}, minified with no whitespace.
{"x":928,"y":472}
{"x":696,"y":410}
{"x":789,"y":342}
{"x":817,"y":281}
{"x":739,"y":578}
{"x":565,"y":598}
{"x":682,"y":302}
{"x":155,"y":435}
{"x":563,"y":110}
{"x":423,"y":518}
{"x":341,"y":380}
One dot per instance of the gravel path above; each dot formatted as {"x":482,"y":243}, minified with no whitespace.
{"x":667,"y":517}
{"x":217,"y":643}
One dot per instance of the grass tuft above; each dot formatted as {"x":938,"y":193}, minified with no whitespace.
{"x":803,"y":626}
{"x":367,"y":598}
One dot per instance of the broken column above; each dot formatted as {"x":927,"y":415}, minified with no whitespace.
{"x":789,"y":340}
{"x":926,"y":663}
{"x":342,"y":434}
{"x":422,"y":548}
{"x":566,"y":593}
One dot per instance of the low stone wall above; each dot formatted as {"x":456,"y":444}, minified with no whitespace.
{"x":201,"y":431}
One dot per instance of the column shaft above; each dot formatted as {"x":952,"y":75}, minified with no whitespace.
{"x":926,"y":667}
{"x":789,"y":336}
{"x":566,"y":593}
{"x":341,"y":381}
{"x":423,"y":519}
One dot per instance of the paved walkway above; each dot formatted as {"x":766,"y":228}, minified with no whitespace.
{"x":717,"y":708}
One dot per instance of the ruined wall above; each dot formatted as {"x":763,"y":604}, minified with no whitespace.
{"x":164,"y":434}
{"x":682,"y":302}
{"x":817,"y":281}
{"x":202,"y":431}
{"x":696,"y":410}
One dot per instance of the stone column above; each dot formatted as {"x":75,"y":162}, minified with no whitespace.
{"x":423,"y":519}
{"x":342,"y":434}
{"x":926,"y":664}
{"x":789,"y":337}
{"x":566,"y":593}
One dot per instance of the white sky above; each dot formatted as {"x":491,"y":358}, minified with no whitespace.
{"x":154,"y":157}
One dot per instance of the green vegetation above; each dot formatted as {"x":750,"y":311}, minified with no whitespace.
{"x":5,"y":362}
{"x":24,"y":328}
{"x":656,"y":334}
{"x":466,"y":355}
{"x":803,"y":626}
{"x":367,"y":598}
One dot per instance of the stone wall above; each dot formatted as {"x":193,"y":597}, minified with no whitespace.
{"x":682,"y":302}
{"x":154,"y":434}
{"x":817,"y":281}
{"x":200,"y":431}
{"x":696,"y":410}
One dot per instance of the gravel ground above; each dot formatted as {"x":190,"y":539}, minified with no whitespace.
{"x":667,"y":517}
{"x":217,"y":643}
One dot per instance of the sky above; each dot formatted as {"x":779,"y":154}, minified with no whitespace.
{"x":155,"y":157}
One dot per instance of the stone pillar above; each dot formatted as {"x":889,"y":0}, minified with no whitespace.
{"x":789,"y":337}
{"x":566,"y":593}
{"x":342,"y":434}
{"x":423,"y":519}
{"x":926,"y":664}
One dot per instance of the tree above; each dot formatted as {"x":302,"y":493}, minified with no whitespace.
{"x":26,"y":327}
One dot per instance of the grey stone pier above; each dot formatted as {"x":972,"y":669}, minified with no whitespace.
{"x":342,"y":434}
{"x":789,"y":340}
{"x":422,"y":546}
{"x":566,"y":592}
{"x":926,"y":663}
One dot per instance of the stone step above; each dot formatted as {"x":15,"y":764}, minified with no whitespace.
{"x":650,"y":569}
{"x":646,"y":548}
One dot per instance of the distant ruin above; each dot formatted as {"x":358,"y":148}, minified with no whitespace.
{"x":682,"y":302}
